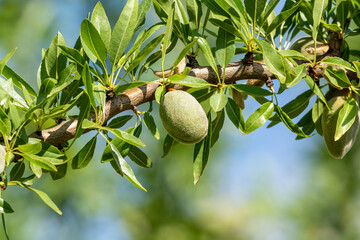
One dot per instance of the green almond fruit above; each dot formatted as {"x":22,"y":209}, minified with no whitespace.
{"x":183,"y":117}
{"x":339,"y":148}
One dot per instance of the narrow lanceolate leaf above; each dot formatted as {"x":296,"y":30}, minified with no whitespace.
{"x":217,"y":125}
{"x":122,"y":88}
{"x":184,"y":52}
{"x":337,"y":77}
{"x":259,"y":117}
{"x":88,"y":83}
{"x":168,"y":143}
{"x":101,"y":23}
{"x":252,"y":90}
{"x":17,"y":171}
{"x":139,"y":157}
{"x":346,"y":118}
{"x":192,"y":82}
{"x":84,"y":156}
{"x":92,"y":42}
{"x":43,"y":162}
{"x":225,"y":47}
{"x":218,"y":100}
{"x":46,"y":199}
{"x":30,"y":148}
{"x":313,"y":86}
{"x":281,"y":18}
{"x":6,"y":59}
{"x":150,"y":124}
{"x":194,"y":11}
{"x":123,"y":31}
{"x":5,"y":207}
{"x":144,"y":8}
{"x":17,"y":80}
{"x":159,"y":93}
{"x":289,"y":123}
{"x":168,"y":33}
{"x":206,"y":50}
{"x":235,"y":114}
{"x":338,"y":62}
{"x":201,"y":154}
{"x":127,"y":137}
{"x":319,"y":7}
{"x":254,"y":9}
{"x":125,"y":167}
{"x":276,"y":63}
{"x":119,"y":121}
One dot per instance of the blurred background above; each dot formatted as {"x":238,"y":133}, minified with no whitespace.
{"x":262,"y":186}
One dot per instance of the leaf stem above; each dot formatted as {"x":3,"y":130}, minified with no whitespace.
{"x":4,"y":226}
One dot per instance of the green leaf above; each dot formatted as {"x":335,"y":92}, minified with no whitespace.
{"x":60,"y":172}
{"x":168,"y":143}
{"x":139,"y":157}
{"x":150,"y":124}
{"x":144,"y":8}
{"x":168,"y":33}
{"x":295,"y":107}
{"x":201,"y":154}
{"x":72,"y":54}
{"x":119,"y":121}
{"x":315,"y":88}
{"x":318,"y":9}
{"x":17,"y":171}
{"x":293,"y":54}
{"x":123,"y":31}
{"x":194,"y":11}
{"x":88,"y":83}
{"x":203,"y":94}
{"x":36,"y":169}
{"x":218,"y":100}
{"x":17,"y":80}
{"x":338,"y":62}
{"x":289,"y":123}
{"x":92,"y":42}
{"x":235,"y":114}
{"x":159,"y":93}
{"x":144,"y":52}
{"x":101,"y":23}
{"x":2,"y":159}
{"x":127,"y":137}
{"x":346,"y":118}
{"x":276,"y":63}
{"x":337,"y":77}
{"x":5,"y":207}
{"x":84,"y":156}
{"x":122,"y":88}
{"x":7,"y":91}
{"x":281,"y":18}
{"x":259,"y":117}
{"x":30,"y":148}
{"x":6,"y":59}
{"x":251,"y":90}
{"x":254,"y":9}
{"x":46,"y":86}
{"x":206,"y":50}
{"x":184,"y":52}
{"x":192,"y":82}
{"x":43,"y":162}
{"x":125,"y":168}
{"x":87,"y":124}
{"x":46,"y":199}
{"x":225,"y":47}
{"x":83,"y":114}
{"x":316,"y":113}
{"x":217,"y":125}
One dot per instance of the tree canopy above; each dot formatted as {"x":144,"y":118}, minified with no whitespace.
{"x":85,"y":87}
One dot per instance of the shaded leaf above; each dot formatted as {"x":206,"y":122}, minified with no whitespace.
{"x":84,"y":156}
{"x":139,"y":157}
{"x":235,"y":114}
{"x":151,"y":126}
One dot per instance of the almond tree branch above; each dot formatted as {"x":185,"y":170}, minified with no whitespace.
{"x":129,"y":99}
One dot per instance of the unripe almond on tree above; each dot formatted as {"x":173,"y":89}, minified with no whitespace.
{"x":338,"y":148}
{"x":183,"y":117}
